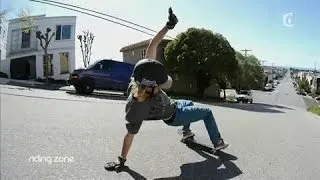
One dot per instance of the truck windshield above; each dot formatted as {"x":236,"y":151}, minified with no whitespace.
{"x":90,"y":66}
{"x":243,"y":92}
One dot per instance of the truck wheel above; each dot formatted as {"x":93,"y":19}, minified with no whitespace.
{"x":88,"y":86}
{"x":79,"y":89}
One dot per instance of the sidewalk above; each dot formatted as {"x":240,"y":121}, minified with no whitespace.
{"x":40,"y":85}
{"x":31,"y":84}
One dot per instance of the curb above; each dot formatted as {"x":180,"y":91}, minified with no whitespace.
{"x":36,"y":86}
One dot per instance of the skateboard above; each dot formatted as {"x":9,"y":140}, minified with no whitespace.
{"x":192,"y":143}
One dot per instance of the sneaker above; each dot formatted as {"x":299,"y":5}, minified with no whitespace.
{"x":221,"y":145}
{"x":188,"y":134}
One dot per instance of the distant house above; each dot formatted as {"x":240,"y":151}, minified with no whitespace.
{"x":25,"y":55}
{"x":3,"y":40}
{"x":137,"y":51}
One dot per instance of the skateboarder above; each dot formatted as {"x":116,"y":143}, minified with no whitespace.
{"x":148,"y":101}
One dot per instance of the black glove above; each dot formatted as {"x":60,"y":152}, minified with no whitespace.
{"x":111,"y":166}
{"x":172,"y":20}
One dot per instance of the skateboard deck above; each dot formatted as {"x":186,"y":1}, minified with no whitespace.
{"x":191,"y":142}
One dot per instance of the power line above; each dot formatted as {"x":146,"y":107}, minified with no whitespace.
{"x":101,"y":14}
{"x":95,"y":16}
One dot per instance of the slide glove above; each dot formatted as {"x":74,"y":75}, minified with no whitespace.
{"x":172,"y":19}
{"x":113,"y":166}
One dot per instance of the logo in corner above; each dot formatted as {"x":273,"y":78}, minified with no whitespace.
{"x":288,"y":19}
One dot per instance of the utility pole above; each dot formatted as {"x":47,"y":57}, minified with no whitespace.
{"x":262,"y":62}
{"x":273,"y":70}
{"x":245,"y":51}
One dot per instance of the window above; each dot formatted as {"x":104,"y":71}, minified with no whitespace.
{"x":103,"y":65}
{"x":107,"y":65}
{"x":14,"y":40}
{"x":63,"y":32}
{"x":64,"y":63}
{"x":176,"y":77}
{"x":162,"y":53}
{"x":25,"y":41}
{"x":97,"y":66}
{"x":50,"y":65}
{"x":143,"y":53}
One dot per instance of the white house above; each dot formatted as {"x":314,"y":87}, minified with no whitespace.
{"x":25,"y":55}
{"x":3,"y":39}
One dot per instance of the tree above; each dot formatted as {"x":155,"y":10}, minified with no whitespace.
{"x":86,"y":41}
{"x":240,"y":79}
{"x":3,"y":14}
{"x":202,"y":54}
{"x":44,"y":38}
{"x":225,"y":66}
{"x":304,"y":85}
{"x":254,"y":72}
{"x":250,"y":73}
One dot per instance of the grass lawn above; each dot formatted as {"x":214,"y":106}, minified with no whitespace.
{"x":314,"y":109}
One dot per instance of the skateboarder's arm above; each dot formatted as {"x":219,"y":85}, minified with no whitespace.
{"x":136,"y":112}
{"x":151,"y":52}
{"x":127,"y":141}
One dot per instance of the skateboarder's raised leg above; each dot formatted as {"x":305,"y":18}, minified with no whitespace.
{"x":187,"y":113}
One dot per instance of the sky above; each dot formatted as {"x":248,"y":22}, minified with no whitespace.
{"x":284,"y":33}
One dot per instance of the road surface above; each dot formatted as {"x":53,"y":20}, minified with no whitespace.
{"x":56,"y":135}
{"x":284,"y":94}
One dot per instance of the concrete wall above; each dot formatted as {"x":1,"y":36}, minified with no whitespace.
{"x":5,"y":66}
{"x":3,"y":38}
{"x":134,"y":55}
{"x":3,"y":44}
{"x":55,"y":46}
{"x":309,"y":78}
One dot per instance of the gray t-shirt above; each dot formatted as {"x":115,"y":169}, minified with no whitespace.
{"x":159,"y":107}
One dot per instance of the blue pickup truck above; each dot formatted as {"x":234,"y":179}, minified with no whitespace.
{"x":102,"y":75}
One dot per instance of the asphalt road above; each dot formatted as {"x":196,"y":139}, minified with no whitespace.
{"x":74,"y":137}
{"x":284,"y":94}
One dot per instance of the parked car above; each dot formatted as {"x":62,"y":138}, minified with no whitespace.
{"x":268,"y":87}
{"x":245,"y":96}
{"x":102,"y":75}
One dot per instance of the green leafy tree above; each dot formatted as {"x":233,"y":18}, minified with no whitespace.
{"x":304,"y":85}
{"x":255,"y":72}
{"x":202,"y":54}
{"x":250,"y":74}
{"x":240,"y":79}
